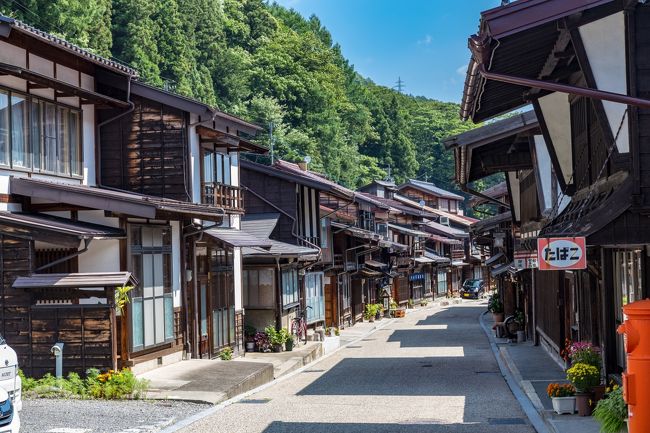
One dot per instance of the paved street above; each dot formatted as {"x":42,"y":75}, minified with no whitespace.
{"x":430,"y":372}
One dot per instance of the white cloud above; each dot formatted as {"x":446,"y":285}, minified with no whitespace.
{"x":461,"y":70}
{"x":426,"y":40}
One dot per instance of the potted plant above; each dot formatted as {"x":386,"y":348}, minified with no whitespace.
{"x":520,"y":320}
{"x":249,"y":334}
{"x":379,"y":311}
{"x":288,"y":339}
{"x":424,"y":302}
{"x":611,"y":412}
{"x":262,"y":341}
{"x":495,"y":306}
{"x":586,"y":353}
{"x":370,"y":312}
{"x":410,"y":303}
{"x":563,"y":397}
{"x":583,"y":377}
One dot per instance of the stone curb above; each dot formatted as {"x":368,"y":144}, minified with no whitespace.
{"x":537,"y":420}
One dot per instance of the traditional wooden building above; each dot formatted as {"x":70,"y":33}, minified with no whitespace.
{"x":588,"y":94}
{"x":68,"y":241}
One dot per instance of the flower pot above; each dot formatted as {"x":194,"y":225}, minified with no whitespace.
{"x":250,"y":346}
{"x":498,"y":317}
{"x":599,"y":393}
{"x":277,"y":348}
{"x":371,"y":319}
{"x":289,"y":345}
{"x":378,"y":316}
{"x":521,"y":336}
{"x":564,"y":405}
{"x":582,"y":403}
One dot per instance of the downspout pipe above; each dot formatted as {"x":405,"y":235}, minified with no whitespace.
{"x":87,"y":242}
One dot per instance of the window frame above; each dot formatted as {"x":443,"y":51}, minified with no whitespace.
{"x":246,"y":280}
{"x":138,"y":295}
{"x":32,"y":159}
{"x":295,"y":296}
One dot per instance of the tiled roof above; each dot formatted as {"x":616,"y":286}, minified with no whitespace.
{"x":261,"y":225}
{"x":68,"y":46}
{"x":430,"y":188}
{"x":316,"y":177}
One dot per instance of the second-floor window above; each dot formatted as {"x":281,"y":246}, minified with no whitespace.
{"x":217,"y":167}
{"x":367,"y":220}
{"x":39,"y":135}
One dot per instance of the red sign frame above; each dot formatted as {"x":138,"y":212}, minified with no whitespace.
{"x":561,"y":254}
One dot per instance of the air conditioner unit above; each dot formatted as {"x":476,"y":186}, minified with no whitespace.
{"x":444,"y":220}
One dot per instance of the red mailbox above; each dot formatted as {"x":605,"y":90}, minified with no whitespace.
{"x":636,"y":379}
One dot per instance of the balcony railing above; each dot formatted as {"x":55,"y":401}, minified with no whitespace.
{"x":225,"y":196}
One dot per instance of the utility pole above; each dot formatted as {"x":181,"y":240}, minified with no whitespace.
{"x":271,"y":140}
{"x":400,"y":85}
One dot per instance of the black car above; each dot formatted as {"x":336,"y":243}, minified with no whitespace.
{"x":472,"y":289}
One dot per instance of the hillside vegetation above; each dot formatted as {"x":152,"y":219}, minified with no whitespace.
{"x":268,"y":65}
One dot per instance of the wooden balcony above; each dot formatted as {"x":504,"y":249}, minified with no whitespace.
{"x":230,"y":198}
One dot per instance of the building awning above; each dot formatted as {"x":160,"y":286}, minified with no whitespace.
{"x":355,"y":231}
{"x":499,"y":270}
{"x":394,"y":245}
{"x":491,"y":223}
{"x":53,"y":229}
{"x":237,"y":238}
{"x":437,"y":258}
{"x":368,"y":273}
{"x":231,"y":141}
{"x":127,"y":203}
{"x":423,"y":260}
{"x":75,"y":280}
{"x":375,"y":264}
{"x":261,"y":226}
{"x":62,"y":88}
{"x":444,"y":240}
{"x":459,"y":263}
{"x":410,"y":232}
{"x":497,"y":258}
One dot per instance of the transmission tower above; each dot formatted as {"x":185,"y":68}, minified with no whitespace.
{"x":400,"y":85}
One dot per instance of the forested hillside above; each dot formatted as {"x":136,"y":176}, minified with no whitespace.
{"x":269,"y":65}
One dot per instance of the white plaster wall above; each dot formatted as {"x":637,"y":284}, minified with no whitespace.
{"x":544,"y":171}
{"x":604,"y":42}
{"x":41,"y":65}
{"x":103,"y":255}
{"x":13,"y":83}
{"x":13,"y":55}
{"x":67,"y":75}
{"x":235,"y":221}
{"x":176,"y":263}
{"x":195,"y":162}
{"x":88,"y":137}
{"x":234,"y":171}
{"x":87,"y":82}
{"x":557,"y":115}
{"x":237,"y":267}
{"x":513,"y":180}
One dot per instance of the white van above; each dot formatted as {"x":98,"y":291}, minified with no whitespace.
{"x":11,"y":401}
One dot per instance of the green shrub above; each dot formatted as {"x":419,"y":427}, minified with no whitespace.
{"x":611,"y":412}
{"x":225,"y":354}
{"x":110,"y":385}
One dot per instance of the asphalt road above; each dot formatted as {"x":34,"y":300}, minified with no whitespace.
{"x":432,"y":372}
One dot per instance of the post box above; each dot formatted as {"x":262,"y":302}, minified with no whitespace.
{"x":636,"y":379}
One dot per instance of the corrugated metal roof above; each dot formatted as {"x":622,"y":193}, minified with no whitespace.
{"x":316,"y":177}
{"x":262,"y":225}
{"x":237,"y":238}
{"x":437,"y":258}
{"x":423,"y":260}
{"x":429,"y":187}
{"x":108,"y":199}
{"x":68,"y":46}
{"x":409,"y":231}
{"x":444,"y":229}
{"x":61,"y":226}
{"x":75,"y":280}
{"x":375,"y":264}
{"x":444,"y":240}
{"x":356,"y":231}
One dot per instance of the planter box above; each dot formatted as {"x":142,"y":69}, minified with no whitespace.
{"x":564,"y":405}
{"x":330,"y":344}
{"x":400,"y":313}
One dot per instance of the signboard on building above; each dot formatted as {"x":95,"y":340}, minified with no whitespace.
{"x":418,"y":276}
{"x":525,"y":259}
{"x":558,"y":254}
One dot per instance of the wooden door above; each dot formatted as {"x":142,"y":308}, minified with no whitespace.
{"x":204,"y":320}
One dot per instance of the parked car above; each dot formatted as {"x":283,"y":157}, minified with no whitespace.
{"x":472,"y":289}
{"x":9,"y":418}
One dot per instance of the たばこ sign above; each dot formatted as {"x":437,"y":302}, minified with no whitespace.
{"x":557,"y":254}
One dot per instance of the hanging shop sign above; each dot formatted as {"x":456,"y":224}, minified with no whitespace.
{"x":419,"y":276}
{"x":558,"y":254}
{"x":525,"y":259}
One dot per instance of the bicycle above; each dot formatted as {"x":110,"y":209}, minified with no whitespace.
{"x":299,"y":326}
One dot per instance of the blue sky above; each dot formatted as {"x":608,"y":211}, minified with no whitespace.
{"x":422,"y":41}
